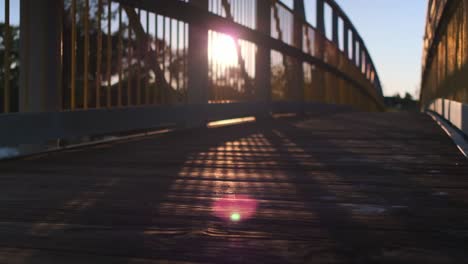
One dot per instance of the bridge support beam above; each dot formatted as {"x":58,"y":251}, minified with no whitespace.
{"x":40,"y":51}
{"x":263,"y":57}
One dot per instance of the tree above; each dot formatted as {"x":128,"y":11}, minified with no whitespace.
{"x":14,"y":68}
{"x":408,"y":97}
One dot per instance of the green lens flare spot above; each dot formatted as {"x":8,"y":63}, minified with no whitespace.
{"x":235,"y":217}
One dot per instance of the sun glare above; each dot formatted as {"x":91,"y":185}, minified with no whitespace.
{"x":222,"y":49}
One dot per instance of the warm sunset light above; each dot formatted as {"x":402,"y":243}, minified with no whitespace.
{"x":228,"y":122}
{"x":222,"y":49}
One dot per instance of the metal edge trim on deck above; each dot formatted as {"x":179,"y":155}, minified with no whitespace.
{"x":454,"y":112}
{"x":452,"y":116}
{"x":38,"y":127}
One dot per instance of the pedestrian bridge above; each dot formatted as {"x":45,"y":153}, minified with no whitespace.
{"x":219,"y":131}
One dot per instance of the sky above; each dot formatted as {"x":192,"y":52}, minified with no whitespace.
{"x":391,"y":29}
{"x":393,"y":32}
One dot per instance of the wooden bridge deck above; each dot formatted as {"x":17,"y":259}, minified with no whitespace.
{"x":343,"y":187}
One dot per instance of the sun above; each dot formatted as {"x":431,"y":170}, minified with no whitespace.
{"x":222,"y":49}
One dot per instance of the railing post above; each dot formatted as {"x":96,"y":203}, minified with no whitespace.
{"x":346,"y":39}
{"x":318,"y":74}
{"x":367,"y":65}
{"x":298,"y":69}
{"x":336,"y":90}
{"x":346,"y":43}
{"x":40,"y":55}
{"x":263,"y":57}
{"x":320,"y":16}
{"x":360,"y":51}
{"x":335,"y":37}
{"x":198,"y":60}
{"x":353,"y":56}
{"x":198,"y":83}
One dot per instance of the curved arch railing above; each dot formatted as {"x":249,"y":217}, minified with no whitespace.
{"x":445,"y":56}
{"x":445,"y":68}
{"x":128,"y":65}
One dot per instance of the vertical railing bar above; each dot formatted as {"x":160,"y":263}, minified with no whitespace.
{"x":235,"y":11}
{"x":241,"y":80}
{"x":212,"y":63}
{"x":253,"y":15}
{"x":350,"y":44}
{"x":73,"y":55}
{"x":109,"y":53}
{"x":138,"y":52}
{"x":129,"y":63}
{"x":335,"y":36}
{"x":183,"y":58}
{"x":170,"y":52}
{"x":120,"y":58}
{"x":246,"y":14}
{"x":7,"y":39}
{"x":156,"y":43}
{"x":219,"y":68}
{"x":212,"y":66}
{"x":86,"y":55}
{"x":177,"y":54}
{"x":250,"y":47}
{"x":252,"y":59}
{"x":163,"y":92}
{"x":99,"y":55}
{"x":238,"y":77}
{"x":345,"y":37}
{"x":186,"y":61}
{"x":147,"y":69}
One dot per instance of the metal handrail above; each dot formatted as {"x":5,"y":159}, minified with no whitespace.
{"x":133,"y":62}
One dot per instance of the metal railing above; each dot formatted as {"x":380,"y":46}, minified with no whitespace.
{"x":126,"y":65}
{"x":117,"y":56}
{"x":445,"y":52}
{"x":7,"y":52}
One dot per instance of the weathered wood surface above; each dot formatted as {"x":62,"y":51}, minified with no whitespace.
{"x":334,"y":188}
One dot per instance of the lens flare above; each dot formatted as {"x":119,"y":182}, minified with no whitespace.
{"x":234,"y":208}
{"x":235,"y":217}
